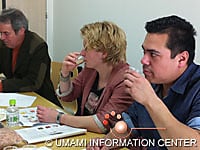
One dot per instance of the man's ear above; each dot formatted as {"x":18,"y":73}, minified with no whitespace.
{"x":183,"y":58}
{"x":21,"y":31}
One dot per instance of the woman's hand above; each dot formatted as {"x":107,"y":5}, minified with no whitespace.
{"x":69,"y":63}
{"x":45,"y":114}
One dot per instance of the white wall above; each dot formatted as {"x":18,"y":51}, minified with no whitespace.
{"x":70,"y":15}
{"x":49,"y":26}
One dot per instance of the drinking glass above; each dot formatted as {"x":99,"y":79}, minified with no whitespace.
{"x":80,"y":59}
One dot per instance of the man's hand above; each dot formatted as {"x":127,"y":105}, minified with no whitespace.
{"x":138,"y":86}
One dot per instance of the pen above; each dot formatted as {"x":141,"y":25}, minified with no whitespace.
{"x":53,"y":133}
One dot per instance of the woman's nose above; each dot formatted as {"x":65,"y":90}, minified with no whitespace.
{"x":83,"y":52}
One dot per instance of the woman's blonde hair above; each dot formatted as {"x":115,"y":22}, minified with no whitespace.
{"x":106,"y":37}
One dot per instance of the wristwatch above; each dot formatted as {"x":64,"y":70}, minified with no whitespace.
{"x":64,"y":79}
{"x":58,"y":117}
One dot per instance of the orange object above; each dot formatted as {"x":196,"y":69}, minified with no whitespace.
{"x":113,"y":113}
{"x":107,"y":116}
{"x":119,"y":116}
{"x":105,"y":122}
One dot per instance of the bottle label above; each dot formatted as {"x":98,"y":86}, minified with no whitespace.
{"x":12,"y":119}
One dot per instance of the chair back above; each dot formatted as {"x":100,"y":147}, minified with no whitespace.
{"x":55,"y":73}
{"x":69,"y":107}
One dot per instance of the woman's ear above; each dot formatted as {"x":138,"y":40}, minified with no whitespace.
{"x":104,"y":55}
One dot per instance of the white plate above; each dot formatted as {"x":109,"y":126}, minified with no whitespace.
{"x":2,"y":114}
{"x":39,"y":148}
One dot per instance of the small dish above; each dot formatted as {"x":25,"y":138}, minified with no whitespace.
{"x":9,"y":148}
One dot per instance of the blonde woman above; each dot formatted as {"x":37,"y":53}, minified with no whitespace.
{"x":100,"y":83}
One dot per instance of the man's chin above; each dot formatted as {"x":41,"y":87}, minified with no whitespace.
{"x":7,"y":45}
{"x":149,"y":78}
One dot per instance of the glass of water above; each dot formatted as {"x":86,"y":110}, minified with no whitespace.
{"x":80,"y":59}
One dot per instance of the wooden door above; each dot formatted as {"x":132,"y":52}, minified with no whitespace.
{"x":35,"y":11}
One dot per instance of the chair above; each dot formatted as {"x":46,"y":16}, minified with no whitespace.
{"x":69,"y":107}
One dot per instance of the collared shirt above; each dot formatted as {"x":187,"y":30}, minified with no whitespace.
{"x":183,"y":101}
{"x":15,"y":53}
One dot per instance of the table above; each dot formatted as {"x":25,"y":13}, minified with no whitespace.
{"x":74,"y":142}
{"x":69,"y":143}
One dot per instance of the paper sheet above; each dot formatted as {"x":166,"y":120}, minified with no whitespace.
{"x":21,"y":100}
{"x":28,"y":117}
{"x":48,"y":132}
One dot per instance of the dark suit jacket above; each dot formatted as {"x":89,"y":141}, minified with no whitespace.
{"x":32,"y":71}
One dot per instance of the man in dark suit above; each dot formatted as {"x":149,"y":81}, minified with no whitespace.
{"x":24,"y":58}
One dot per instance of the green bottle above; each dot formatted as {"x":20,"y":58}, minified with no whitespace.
{"x":12,"y":114}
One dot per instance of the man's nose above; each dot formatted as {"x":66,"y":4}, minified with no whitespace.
{"x":2,"y":36}
{"x":145,"y":60}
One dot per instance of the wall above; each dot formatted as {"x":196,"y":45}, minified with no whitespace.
{"x":36,"y":20}
{"x":70,"y":15}
{"x":50,"y":27}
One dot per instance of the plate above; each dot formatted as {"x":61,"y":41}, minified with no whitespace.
{"x":2,"y":114}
